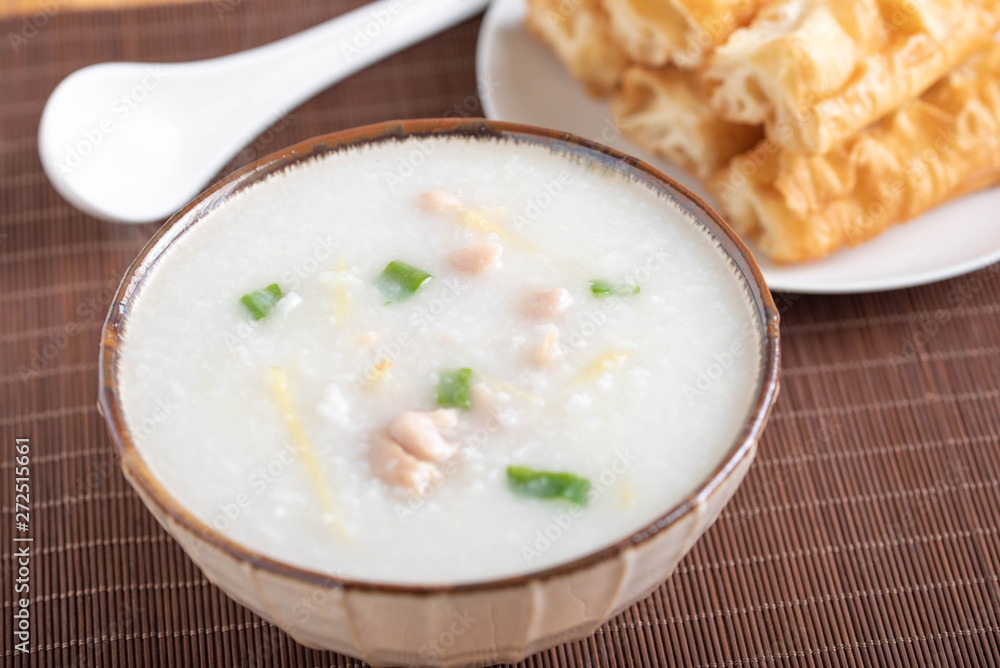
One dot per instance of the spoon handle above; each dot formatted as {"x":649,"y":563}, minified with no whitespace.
{"x":285,"y":73}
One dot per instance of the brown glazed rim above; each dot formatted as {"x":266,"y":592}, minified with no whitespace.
{"x":141,"y":476}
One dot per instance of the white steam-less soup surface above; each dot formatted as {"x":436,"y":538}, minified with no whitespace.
{"x":310,"y":435}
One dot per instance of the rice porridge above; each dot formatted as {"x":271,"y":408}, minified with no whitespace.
{"x":439,"y":360}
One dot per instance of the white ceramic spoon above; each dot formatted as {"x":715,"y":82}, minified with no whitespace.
{"x":134,"y":142}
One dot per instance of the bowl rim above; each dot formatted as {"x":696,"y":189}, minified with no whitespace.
{"x":153,"y":492}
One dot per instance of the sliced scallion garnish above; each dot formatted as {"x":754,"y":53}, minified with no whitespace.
{"x":453,"y":389}
{"x":600,"y":287}
{"x":260,"y":303}
{"x":548,"y":484}
{"x":400,"y":280}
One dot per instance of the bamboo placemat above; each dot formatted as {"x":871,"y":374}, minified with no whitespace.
{"x":865,"y":535}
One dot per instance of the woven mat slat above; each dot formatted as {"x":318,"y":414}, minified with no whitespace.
{"x":867,"y":533}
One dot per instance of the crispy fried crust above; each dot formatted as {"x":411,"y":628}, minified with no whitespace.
{"x":797,"y":207}
{"x":819,"y":71}
{"x":661,"y":111}
{"x":657,"y":32}
{"x":578,"y":32}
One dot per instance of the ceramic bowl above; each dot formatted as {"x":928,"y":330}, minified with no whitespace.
{"x":478,"y":623}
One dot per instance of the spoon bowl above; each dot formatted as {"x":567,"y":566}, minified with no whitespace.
{"x":134,"y":142}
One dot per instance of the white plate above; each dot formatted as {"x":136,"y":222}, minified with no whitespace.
{"x":521,"y":81}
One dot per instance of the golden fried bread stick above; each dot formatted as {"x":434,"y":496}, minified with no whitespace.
{"x":657,"y":32}
{"x":796,"y":206}
{"x":661,"y":111}
{"x":819,"y":71}
{"x":578,"y":32}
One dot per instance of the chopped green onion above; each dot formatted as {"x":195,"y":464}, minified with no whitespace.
{"x":602,"y":288}
{"x":400,"y":280}
{"x":260,"y":303}
{"x":548,"y":484}
{"x":453,"y":389}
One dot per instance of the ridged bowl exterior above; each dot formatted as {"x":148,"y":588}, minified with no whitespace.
{"x":458,"y":625}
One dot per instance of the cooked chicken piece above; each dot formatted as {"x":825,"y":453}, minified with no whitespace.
{"x":419,"y":433}
{"x":548,"y":304}
{"x":549,"y":347}
{"x":477,"y":257}
{"x":439,"y":201}
{"x":396,"y":466}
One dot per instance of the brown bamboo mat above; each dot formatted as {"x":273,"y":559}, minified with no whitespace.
{"x":865,"y":535}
